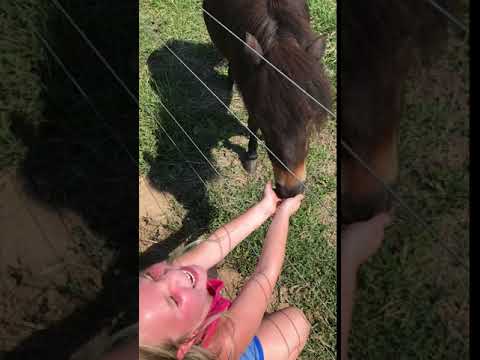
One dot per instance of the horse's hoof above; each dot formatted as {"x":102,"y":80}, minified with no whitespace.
{"x":250,"y":166}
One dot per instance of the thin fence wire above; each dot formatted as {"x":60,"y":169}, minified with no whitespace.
{"x":105,"y":62}
{"x":447,"y":14}
{"x":97,"y":114}
{"x":162,"y":128}
{"x":348,"y":148}
{"x":197,"y":242}
{"x":364,"y":164}
{"x":417,"y":217}
{"x":237,"y":118}
{"x":411,"y":212}
{"x":343,"y":143}
{"x":124,"y":86}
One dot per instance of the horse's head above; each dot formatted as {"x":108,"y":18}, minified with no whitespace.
{"x":286,"y":115}
{"x":381,"y":43}
{"x":369,"y":129}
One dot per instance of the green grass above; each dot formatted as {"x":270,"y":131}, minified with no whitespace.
{"x":20,"y":85}
{"x":308,"y":280}
{"x":413,"y":299}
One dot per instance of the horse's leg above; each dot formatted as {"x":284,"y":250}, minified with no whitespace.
{"x":250,"y":162}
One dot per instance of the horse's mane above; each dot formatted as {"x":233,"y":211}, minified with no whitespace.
{"x":382,"y":41}
{"x":288,"y":101}
{"x":283,"y":31}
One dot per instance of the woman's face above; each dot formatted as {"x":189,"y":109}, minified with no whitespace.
{"x":173,"y":301}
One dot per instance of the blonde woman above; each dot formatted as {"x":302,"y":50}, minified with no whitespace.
{"x":182,"y":314}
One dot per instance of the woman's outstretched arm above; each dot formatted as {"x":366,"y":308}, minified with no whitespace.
{"x":218,"y":245}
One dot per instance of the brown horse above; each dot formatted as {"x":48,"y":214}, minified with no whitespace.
{"x":280,"y":31}
{"x":381,"y":41}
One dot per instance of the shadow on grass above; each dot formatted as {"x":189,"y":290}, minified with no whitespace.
{"x":204,"y":119}
{"x":80,"y":162}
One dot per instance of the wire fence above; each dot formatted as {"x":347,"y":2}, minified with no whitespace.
{"x":345,"y":146}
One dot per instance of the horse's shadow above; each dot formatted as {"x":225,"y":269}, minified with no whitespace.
{"x":207,"y":122}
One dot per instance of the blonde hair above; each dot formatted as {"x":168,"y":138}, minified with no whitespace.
{"x":169,"y":352}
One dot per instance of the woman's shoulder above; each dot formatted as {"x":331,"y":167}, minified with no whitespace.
{"x":223,"y":342}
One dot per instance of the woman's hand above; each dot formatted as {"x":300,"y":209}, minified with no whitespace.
{"x":270,"y":200}
{"x":362,"y":239}
{"x":290,"y":206}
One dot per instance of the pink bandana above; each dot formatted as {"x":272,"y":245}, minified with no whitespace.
{"x":218,"y":306}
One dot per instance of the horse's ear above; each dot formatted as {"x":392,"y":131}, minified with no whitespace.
{"x":317,"y":47}
{"x":253,"y":44}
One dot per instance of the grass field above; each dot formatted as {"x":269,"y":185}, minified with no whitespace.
{"x":413,"y":301}
{"x":191,"y":209}
{"x":19,"y":86}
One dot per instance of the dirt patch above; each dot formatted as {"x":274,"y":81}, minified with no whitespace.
{"x":234,"y":282}
{"x":153,"y":203}
{"x":50,"y":263}
{"x":156,"y":214}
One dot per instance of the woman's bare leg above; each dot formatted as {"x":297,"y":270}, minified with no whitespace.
{"x":283,"y":334}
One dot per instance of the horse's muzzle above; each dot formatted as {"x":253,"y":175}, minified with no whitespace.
{"x":284,"y":192}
